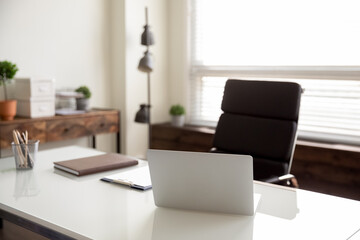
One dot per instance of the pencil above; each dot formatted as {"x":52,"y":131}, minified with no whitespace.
{"x":22,"y":147}
{"x":20,"y":154}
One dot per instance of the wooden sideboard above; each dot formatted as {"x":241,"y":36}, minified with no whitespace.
{"x":327,"y":168}
{"x":64,"y":127}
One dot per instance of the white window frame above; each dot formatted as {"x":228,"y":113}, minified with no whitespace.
{"x":197,"y":71}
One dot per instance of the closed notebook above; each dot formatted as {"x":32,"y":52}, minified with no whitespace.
{"x":94,"y":164}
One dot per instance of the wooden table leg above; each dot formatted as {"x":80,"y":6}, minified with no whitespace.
{"x":118,"y":147}
{"x":93,"y":141}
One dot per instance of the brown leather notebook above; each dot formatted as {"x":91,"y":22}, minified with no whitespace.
{"x":94,"y":164}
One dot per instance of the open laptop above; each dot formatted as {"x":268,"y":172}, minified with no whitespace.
{"x":202,"y":181}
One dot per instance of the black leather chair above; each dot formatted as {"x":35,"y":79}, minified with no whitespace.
{"x":260,"y":118}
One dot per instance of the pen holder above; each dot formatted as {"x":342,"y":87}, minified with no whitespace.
{"x":25,"y":154}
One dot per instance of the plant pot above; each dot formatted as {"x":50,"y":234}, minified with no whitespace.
{"x":7,"y":110}
{"x":82,"y":104}
{"x":178,"y":121}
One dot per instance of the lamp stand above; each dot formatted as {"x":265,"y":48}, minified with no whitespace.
{"x":149,"y":106}
{"x":146,"y":65}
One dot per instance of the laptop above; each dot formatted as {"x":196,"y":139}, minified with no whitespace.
{"x":210,"y":182}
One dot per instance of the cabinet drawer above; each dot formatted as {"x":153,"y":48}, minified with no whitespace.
{"x":108,"y":123}
{"x":62,"y":130}
{"x":30,"y":87}
{"x":81,"y":127}
{"x":58,"y":128}
{"x":36,"y":108}
{"x":36,"y":130}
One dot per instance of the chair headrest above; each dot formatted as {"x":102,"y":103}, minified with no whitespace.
{"x":267,"y":99}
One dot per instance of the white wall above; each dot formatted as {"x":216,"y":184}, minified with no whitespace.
{"x":136,"y":81}
{"x":118,"y":59}
{"x":63,"y":39}
{"x":96,"y":43}
{"x":179,"y":54}
{"x":59,"y":39}
{"x":129,"y":84}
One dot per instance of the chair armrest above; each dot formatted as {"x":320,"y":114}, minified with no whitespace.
{"x":287,"y":179}
{"x":215,"y":150}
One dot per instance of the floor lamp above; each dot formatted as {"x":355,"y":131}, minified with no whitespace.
{"x":146,"y":65}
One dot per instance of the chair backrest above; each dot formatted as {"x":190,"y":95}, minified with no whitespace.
{"x":260,"y":118}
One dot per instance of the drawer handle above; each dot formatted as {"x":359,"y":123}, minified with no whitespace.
{"x":43,"y":108}
{"x":66,"y":130}
{"x":102,"y":124}
{"x":43,"y":89}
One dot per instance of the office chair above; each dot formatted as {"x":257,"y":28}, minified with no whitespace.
{"x":260,"y":119}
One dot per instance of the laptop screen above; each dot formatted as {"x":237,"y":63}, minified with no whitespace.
{"x":202,"y":181}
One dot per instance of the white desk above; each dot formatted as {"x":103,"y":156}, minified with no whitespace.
{"x":87,"y":208}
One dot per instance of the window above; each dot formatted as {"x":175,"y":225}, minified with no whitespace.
{"x":312,"y":42}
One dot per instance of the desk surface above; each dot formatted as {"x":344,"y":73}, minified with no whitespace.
{"x":87,"y":208}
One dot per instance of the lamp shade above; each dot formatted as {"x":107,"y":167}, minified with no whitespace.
{"x":147,"y":38}
{"x":142,"y":116}
{"x":146,"y":63}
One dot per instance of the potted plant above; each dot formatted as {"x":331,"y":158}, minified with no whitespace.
{"x":82,"y":103}
{"x":7,"y":107}
{"x":177,"y":113}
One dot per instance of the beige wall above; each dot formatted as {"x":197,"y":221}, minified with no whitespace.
{"x":135,"y":85}
{"x":97,"y":43}
{"x":179,"y":54}
{"x":130,"y":85}
{"x":59,"y":39}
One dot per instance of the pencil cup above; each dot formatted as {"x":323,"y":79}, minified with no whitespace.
{"x":25,"y":154}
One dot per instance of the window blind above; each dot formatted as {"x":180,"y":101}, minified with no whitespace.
{"x":281,"y":40}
